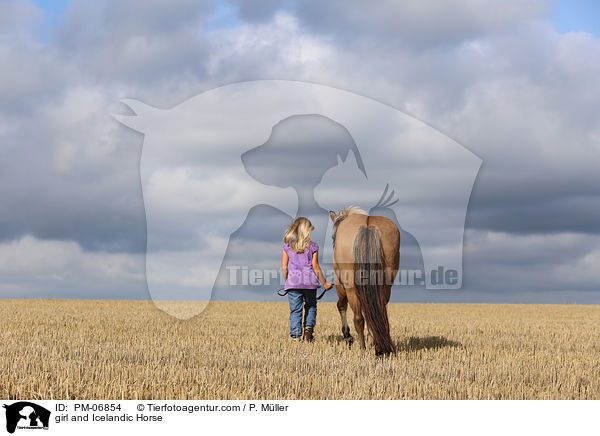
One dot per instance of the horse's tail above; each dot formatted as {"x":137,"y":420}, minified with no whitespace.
{"x":368,"y":282}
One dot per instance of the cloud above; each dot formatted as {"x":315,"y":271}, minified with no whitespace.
{"x":277,"y":49}
{"x":499,"y":80}
{"x":68,"y":174}
{"x":508,"y":265}
{"x":256,"y":11}
{"x":32,"y":267}
{"x":18,"y":18}
{"x":413,"y":24}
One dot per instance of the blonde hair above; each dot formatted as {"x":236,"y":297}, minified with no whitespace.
{"x":297,"y":235}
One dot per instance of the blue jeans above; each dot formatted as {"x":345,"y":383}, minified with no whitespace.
{"x":296,"y":298}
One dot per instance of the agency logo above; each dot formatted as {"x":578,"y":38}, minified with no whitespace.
{"x":225,"y":172}
{"x":26,"y":415}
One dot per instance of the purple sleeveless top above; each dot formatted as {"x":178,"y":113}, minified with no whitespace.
{"x":300,"y":271}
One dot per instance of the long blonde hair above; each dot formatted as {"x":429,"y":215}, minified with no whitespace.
{"x":297,"y":235}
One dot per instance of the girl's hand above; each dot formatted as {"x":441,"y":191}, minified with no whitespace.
{"x":327,"y":286}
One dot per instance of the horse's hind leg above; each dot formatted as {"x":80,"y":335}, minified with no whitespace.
{"x":342,"y":306}
{"x":359,"y":322}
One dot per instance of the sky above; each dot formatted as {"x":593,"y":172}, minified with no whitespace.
{"x":514,"y":82}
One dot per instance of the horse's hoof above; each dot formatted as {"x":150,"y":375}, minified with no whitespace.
{"x":380,"y":353}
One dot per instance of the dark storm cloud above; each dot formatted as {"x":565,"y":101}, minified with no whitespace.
{"x":70,"y":184}
{"x":535,"y":127}
{"x":570,"y":214}
{"x":511,"y":265}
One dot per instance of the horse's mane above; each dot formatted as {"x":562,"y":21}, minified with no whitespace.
{"x":346,"y":212}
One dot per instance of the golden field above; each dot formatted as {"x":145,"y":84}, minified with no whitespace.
{"x":85,"y":349}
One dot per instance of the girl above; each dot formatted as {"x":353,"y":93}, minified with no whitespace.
{"x":300,"y":268}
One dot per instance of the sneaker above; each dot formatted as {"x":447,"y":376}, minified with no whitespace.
{"x":308,"y":334}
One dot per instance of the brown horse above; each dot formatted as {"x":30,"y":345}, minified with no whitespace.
{"x":366,"y":257}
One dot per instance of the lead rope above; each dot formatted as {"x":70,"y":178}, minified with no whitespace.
{"x":285,"y":292}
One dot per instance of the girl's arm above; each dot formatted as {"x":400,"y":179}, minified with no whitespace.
{"x":319,"y":273}
{"x":284,"y":264}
